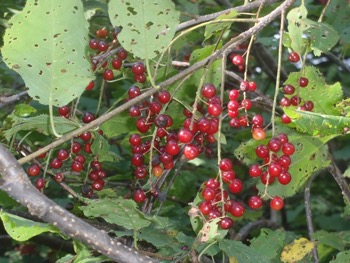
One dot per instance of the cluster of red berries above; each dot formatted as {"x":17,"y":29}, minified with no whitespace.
{"x":78,"y":153}
{"x":111,"y":56}
{"x":291,"y":94}
{"x":216,"y":200}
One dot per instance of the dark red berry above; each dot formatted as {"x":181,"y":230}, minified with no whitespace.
{"x":33,"y":170}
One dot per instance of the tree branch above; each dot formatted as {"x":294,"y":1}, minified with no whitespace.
{"x":339,"y":178}
{"x":4,"y":101}
{"x":308,"y":213}
{"x":15,"y":183}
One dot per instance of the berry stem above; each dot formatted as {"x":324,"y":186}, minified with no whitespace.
{"x":51,"y":120}
{"x":278,"y":75}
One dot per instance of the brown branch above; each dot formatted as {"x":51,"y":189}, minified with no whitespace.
{"x":308,"y":213}
{"x":248,"y":228}
{"x":4,"y":101}
{"x":339,"y":178}
{"x":212,"y":16}
{"x":15,"y":183}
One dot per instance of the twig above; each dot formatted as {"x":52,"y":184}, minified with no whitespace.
{"x":15,"y":183}
{"x":4,"y":101}
{"x":244,"y":232}
{"x":308,"y":213}
{"x":339,"y":178}
{"x":212,"y":16}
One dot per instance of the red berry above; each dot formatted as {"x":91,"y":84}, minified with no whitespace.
{"x":117,"y":63}
{"x":142,"y":125}
{"x":135,"y":139}
{"x":59,"y":177}
{"x":237,"y":210}
{"x":226,"y":222}
{"x":79,"y":158}
{"x":138,"y":159}
{"x":309,"y":105}
{"x":108,"y":74}
{"x":277,"y":203}
{"x":274,"y":169}
{"x":93,"y":43}
{"x":185,"y":135}
{"x":63,"y":111}
{"x":246,"y":104}
{"x":233,"y":94}
{"x":33,"y":170}
{"x":62,"y":154}
{"x":140,"y":78}
{"x":288,"y":89}
{"x":77,"y":166}
{"x":102,"y":46}
{"x":75,"y":148}
{"x":172,"y":148}
{"x":205,"y":207}
{"x":262,"y":151}
{"x":294,"y":57}
{"x":88,"y":117}
{"x":208,"y":90}
{"x":285,"y":102}
{"x":86,"y":136}
{"x":236,"y":186}
{"x":255,"y":170}
{"x":90,"y":86}
{"x":228,"y":176}
{"x":238,"y":60}
{"x":274,"y":145}
{"x":140,"y":172}
{"x":87,"y":147}
{"x":40,"y":183}
{"x":191,"y":151}
{"x":56,"y":163}
{"x":122,"y":54}
{"x":285,"y":119}
{"x":255,"y":202}
{"x":212,"y":183}
{"x":303,"y":82}
{"x":102,"y":33}
{"x":98,"y":185}
{"x":95,"y":165}
{"x":258,"y":134}
{"x":139,"y":196}
{"x":133,"y":92}
{"x":288,"y":148}
{"x":225,"y":164}
{"x":284,"y":178}
{"x":157,"y":171}
{"x":214,"y":109}
{"x":164,"y":96}
{"x":138,"y":68}
{"x":208,"y":194}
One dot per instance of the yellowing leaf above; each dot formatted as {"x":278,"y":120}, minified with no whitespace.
{"x":233,"y":260}
{"x":297,"y":250}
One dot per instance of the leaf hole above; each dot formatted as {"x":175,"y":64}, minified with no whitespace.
{"x":132,"y":10}
{"x":29,"y":65}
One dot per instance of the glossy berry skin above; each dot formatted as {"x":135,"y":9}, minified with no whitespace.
{"x":86,"y":136}
{"x":258,"y":134}
{"x":137,"y":159}
{"x":236,"y":186}
{"x":288,"y":89}
{"x":262,"y":151}
{"x":172,"y":148}
{"x":255,"y":170}
{"x":122,"y":54}
{"x":164,"y":96}
{"x":117,"y":63}
{"x":135,"y":139}
{"x":237,"y":210}
{"x":212,"y":183}
{"x":303,"y":82}
{"x":228,"y":176}
{"x":226,"y":222}
{"x":238,"y":60}
{"x":62,"y":154}
{"x":288,"y":148}
{"x":108,"y":74}
{"x":285,"y":119}
{"x":274,"y":145}
{"x":233,"y":94}
{"x":76,"y":147}
{"x":191,"y":151}
{"x":90,"y":86}
{"x":185,"y":135}
{"x":157,"y":171}
{"x":138,"y":68}
{"x":208,"y":194}
{"x":79,"y":158}
{"x":77,"y":166}
{"x":33,"y":170}
{"x":284,"y":178}
{"x":102,"y":46}
{"x":88,"y":117}
{"x":133,"y":92}
{"x":214,"y":109}
{"x":277,"y":203}
{"x":225,"y":164}
{"x":59,"y":177}
{"x":40,"y":183}
{"x":139,"y":196}
{"x":294,"y":57}
{"x":140,"y":78}
{"x":255,"y":202}
{"x":98,"y":185}
{"x":205,"y":207}
{"x":56,"y":163}
{"x":64,"y":110}
{"x":208,"y":90}
{"x":141,"y":125}
{"x":101,"y":33}
{"x":93,"y":43}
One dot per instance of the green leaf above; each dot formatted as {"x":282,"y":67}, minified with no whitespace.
{"x":296,"y":28}
{"x":24,"y":110}
{"x":344,"y":107}
{"x":323,"y":96}
{"x":121,"y":212}
{"x":337,"y":240}
{"x":317,"y":124}
{"x":148,"y":26}
{"x":117,"y":125}
{"x":6,"y":201}
{"x":211,"y":231}
{"x":41,"y":124}
{"x":221,"y":25}
{"x":269,"y":243}
{"x":342,"y":257}
{"x":55,"y":70}
{"x":322,"y":36}
{"x":241,"y":252}
{"x":22,"y":229}
{"x":84,"y":255}
{"x":101,"y":148}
